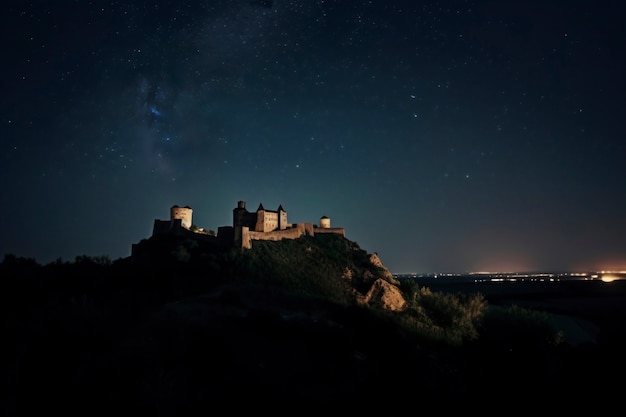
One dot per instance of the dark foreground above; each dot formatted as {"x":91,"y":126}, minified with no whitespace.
{"x":603,"y":304}
{"x":254,"y":349}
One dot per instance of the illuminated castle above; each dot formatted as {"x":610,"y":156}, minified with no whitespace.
{"x":247,"y":226}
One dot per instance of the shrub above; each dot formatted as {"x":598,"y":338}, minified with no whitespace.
{"x":449,"y":318}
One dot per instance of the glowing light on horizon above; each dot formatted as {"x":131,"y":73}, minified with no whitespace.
{"x":610,"y":278}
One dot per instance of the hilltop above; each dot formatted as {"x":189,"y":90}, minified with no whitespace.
{"x":327,"y":266}
{"x":312,"y":322}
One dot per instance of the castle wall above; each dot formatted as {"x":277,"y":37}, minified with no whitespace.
{"x":169,"y":227}
{"x":213,"y":240}
{"x":161,"y":227}
{"x":266,"y":221}
{"x":293,"y":233}
{"x":175,"y":228}
{"x":307,"y":227}
{"x":339,"y":230}
{"x":226,"y":235}
{"x":246,"y":242}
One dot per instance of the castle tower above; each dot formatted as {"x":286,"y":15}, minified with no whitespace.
{"x":282,"y":218}
{"x":239,"y":214}
{"x":182,"y":213}
{"x":325,"y":222}
{"x":260,"y":225}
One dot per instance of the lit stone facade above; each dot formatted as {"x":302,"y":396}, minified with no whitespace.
{"x":183,"y":213}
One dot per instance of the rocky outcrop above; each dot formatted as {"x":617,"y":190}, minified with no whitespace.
{"x":375,"y":260}
{"x":347,"y":274}
{"x":384,"y":295}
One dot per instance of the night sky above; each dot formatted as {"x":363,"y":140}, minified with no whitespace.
{"x":444,"y":136}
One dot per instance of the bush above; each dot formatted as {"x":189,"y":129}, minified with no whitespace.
{"x":515,"y":328}
{"x":449,"y":318}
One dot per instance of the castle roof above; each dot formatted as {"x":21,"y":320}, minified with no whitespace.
{"x":280,"y":208}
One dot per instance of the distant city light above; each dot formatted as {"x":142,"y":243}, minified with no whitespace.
{"x":609,"y":278}
{"x":484,"y":276}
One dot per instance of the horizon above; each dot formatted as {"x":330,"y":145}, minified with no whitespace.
{"x":435,"y":274}
{"x":546,"y":273}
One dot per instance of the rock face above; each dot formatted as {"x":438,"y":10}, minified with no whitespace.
{"x":385,"y":295}
{"x":375,"y":260}
{"x":376,"y":288}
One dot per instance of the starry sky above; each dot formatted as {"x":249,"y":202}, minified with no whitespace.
{"x":446,"y":136}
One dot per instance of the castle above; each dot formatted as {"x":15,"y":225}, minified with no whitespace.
{"x":247,"y":226}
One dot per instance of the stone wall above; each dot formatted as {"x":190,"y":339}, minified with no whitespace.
{"x":226,"y":235}
{"x":297,"y":230}
{"x":244,"y":239}
{"x":339,"y":230}
{"x":162,"y":227}
{"x":293,"y":233}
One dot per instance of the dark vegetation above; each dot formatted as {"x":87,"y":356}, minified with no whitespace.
{"x":193,"y":329}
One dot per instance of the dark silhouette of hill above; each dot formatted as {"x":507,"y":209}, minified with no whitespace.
{"x":283,"y":327}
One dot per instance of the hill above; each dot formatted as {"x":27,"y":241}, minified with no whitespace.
{"x":311,"y":323}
